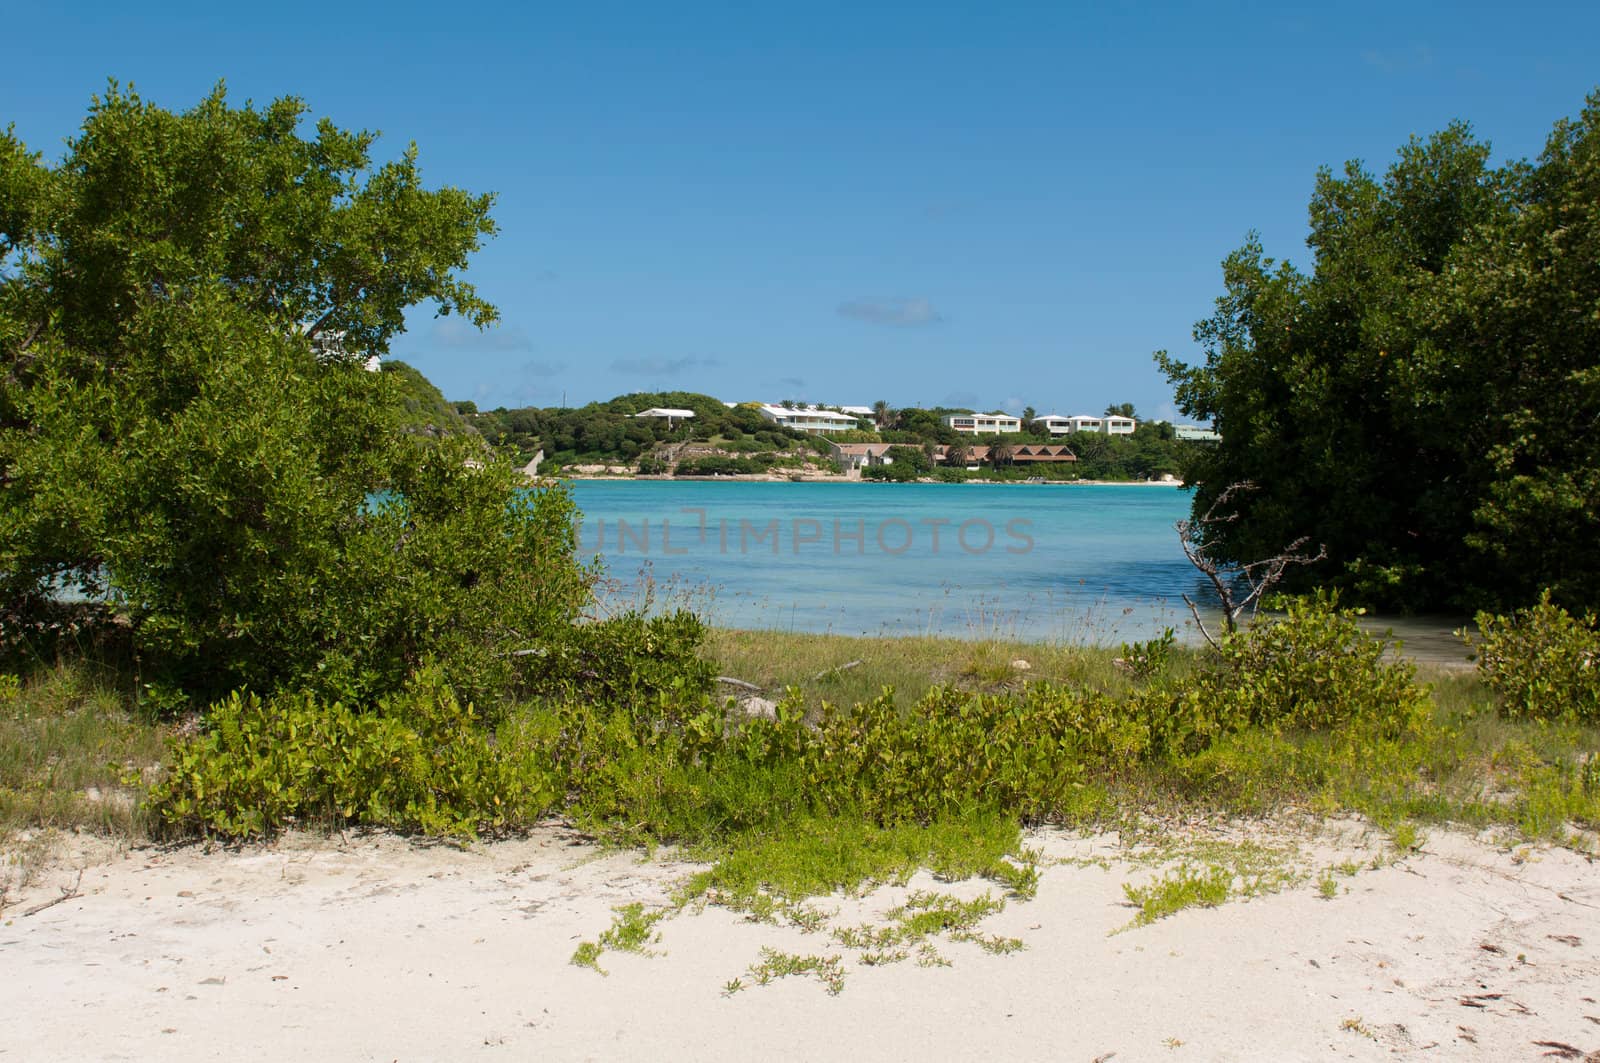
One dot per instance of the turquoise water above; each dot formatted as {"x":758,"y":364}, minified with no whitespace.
{"x":1074,"y":563}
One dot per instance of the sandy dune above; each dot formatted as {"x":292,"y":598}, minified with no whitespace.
{"x":376,"y":948}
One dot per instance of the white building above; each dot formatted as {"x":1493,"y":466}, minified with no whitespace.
{"x":1118,"y":425}
{"x":1110,"y":424}
{"x":1054,"y":423}
{"x":976,"y":424}
{"x":812,"y":419}
{"x":671,"y":416}
{"x":1196,"y":432}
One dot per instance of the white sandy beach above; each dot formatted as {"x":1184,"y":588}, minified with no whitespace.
{"x":378,"y":948}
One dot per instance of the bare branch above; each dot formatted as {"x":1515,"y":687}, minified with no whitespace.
{"x":321,"y":323}
{"x":1258,"y":577}
{"x":1198,"y":622}
{"x":32,"y":335}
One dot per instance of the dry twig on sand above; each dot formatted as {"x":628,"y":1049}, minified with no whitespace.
{"x":67,"y":894}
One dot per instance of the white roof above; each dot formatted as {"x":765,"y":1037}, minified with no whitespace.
{"x":812,"y":412}
{"x":858,"y":411}
{"x":662,"y":411}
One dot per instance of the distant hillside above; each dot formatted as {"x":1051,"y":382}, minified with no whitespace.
{"x":608,"y":431}
{"x":426,"y":410}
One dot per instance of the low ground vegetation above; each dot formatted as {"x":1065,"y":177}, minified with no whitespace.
{"x":928,"y":754}
{"x":879,"y":760}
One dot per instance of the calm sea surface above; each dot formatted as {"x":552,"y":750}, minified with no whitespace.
{"x":1073,"y":563}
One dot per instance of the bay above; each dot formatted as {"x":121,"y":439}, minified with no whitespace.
{"x":1075,"y":563}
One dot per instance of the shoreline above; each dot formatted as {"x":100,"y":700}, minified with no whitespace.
{"x":750,"y":478}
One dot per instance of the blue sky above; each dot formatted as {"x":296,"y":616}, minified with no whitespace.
{"x":965,"y":204}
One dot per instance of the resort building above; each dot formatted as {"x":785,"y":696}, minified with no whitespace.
{"x":1117,"y":425}
{"x":853,"y":457}
{"x":671,"y":416}
{"x":1110,"y":424}
{"x":1196,"y":432}
{"x":1054,"y":423}
{"x":1029,"y":453}
{"x":812,"y":419}
{"x":983,"y":424}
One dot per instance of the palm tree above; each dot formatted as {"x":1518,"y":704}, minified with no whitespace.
{"x":882,"y":413}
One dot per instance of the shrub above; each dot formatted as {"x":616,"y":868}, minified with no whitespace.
{"x":954,"y":751}
{"x":1542,"y":663}
{"x":627,"y":660}
{"x":1313,"y":669}
{"x":188,"y":434}
{"x":420,"y":761}
{"x":720,"y":465}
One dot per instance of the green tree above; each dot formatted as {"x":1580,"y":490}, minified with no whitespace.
{"x":915,"y":459}
{"x":1424,"y":400}
{"x":187,"y":433}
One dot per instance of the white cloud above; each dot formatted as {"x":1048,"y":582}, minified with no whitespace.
{"x":657,"y":367}
{"x":897,"y":311}
{"x":461,"y":335}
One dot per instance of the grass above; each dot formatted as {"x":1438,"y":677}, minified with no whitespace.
{"x":72,"y":742}
{"x":910,"y":665}
{"x":818,"y":855}
{"x":69,"y":740}
{"x":1187,"y":887}
{"x":632,"y":930}
{"x":70,"y":745}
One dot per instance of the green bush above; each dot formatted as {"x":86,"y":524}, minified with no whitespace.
{"x":1542,"y":663}
{"x":1313,"y":669}
{"x":622,"y":661}
{"x":188,"y":435}
{"x":954,"y":751}
{"x":720,"y":465}
{"x":420,"y":761}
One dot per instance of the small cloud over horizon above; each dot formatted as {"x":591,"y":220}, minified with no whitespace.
{"x":899,"y":312}
{"x":661,"y":366}
{"x":543,"y":369}
{"x":460,"y":335}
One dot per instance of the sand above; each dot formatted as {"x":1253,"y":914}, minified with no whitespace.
{"x":377,"y":948}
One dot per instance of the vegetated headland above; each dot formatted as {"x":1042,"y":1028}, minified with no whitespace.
{"x":322,"y":636}
{"x":691,"y":435}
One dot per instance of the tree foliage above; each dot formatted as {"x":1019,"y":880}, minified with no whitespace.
{"x":187,"y":432}
{"x":1425,"y":400}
